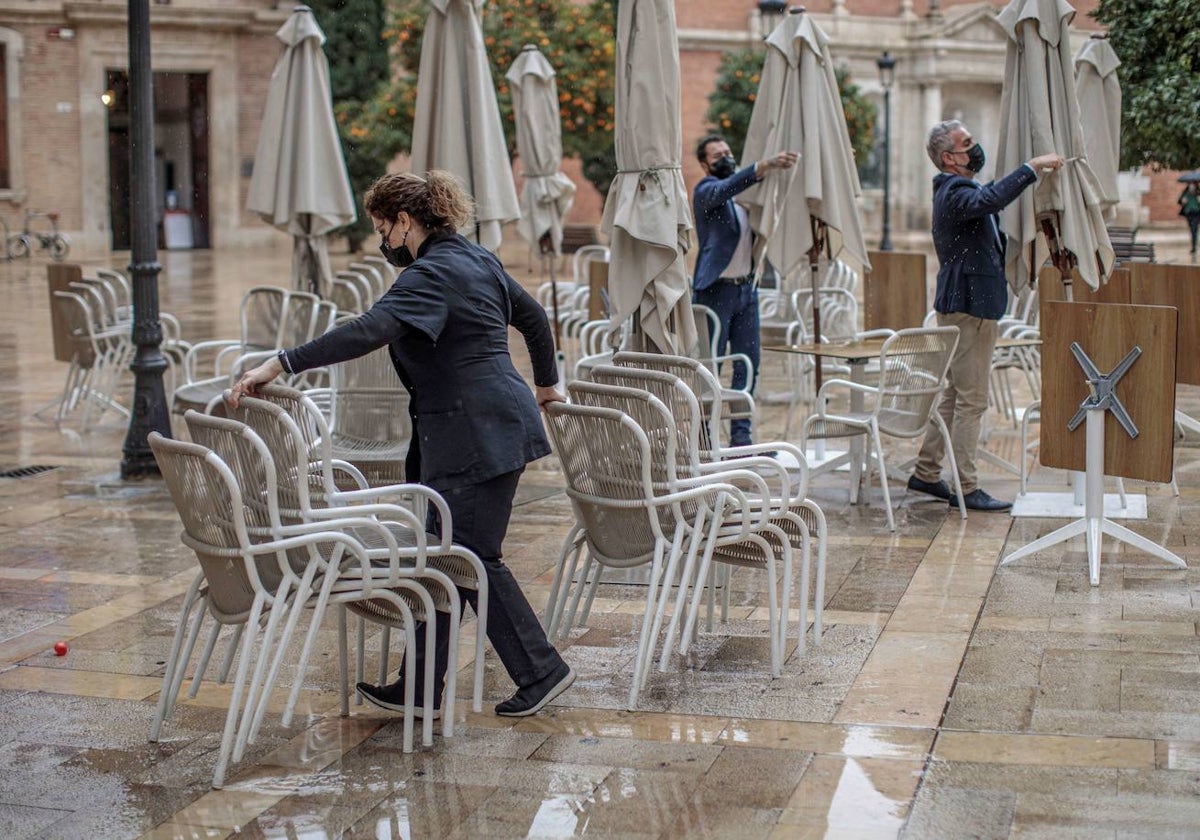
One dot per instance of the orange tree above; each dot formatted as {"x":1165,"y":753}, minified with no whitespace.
{"x":732,"y":101}
{"x":576,"y":38}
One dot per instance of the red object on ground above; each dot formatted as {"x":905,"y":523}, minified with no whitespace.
{"x":60,"y":648}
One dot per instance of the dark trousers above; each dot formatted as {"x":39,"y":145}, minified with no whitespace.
{"x":1194,"y":224}
{"x":480,"y":514}
{"x":737,"y":308}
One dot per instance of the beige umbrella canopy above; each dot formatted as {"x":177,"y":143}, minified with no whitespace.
{"x":1098,"y":91}
{"x":457,"y":125}
{"x":646,"y":215}
{"x":1040,"y":115}
{"x":548,"y":194}
{"x":299,"y":183}
{"x":812,"y":208}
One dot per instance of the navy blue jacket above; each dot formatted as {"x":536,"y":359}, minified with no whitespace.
{"x":717,"y":226}
{"x":445,"y":321}
{"x":966,"y":234}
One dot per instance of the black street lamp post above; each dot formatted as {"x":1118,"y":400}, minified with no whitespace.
{"x":887,"y":75}
{"x":149,"y":412}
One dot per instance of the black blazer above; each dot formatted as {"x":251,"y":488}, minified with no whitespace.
{"x":445,"y":321}
{"x":966,"y":234}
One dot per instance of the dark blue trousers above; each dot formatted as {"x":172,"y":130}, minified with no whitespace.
{"x":737,"y":308}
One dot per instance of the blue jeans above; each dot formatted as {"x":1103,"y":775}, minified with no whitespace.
{"x":737,"y":308}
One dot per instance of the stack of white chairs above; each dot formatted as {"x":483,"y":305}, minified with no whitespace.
{"x":272,"y":318}
{"x":259,"y":575}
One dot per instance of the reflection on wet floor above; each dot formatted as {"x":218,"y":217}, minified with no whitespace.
{"x":946,"y":699}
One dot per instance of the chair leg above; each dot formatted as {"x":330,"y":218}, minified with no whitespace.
{"x":593,"y":588}
{"x":235,"y":697}
{"x":570,"y":545}
{"x":941,"y":424}
{"x":883,"y":476}
{"x":343,"y":663}
{"x":277,"y":608}
{"x":660,"y":607}
{"x":571,"y":577}
{"x":819,"y":589}
{"x":685,"y":581}
{"x":230,"y":652}
{"x":205,"y":656}
{"x":173,"y":661}
{"x":360,"y":656}
{"x":644,"y":640}
{"x":385,"y":642}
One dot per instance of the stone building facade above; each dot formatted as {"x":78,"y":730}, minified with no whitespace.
{"x":65,"y":130}
{"x":63,"y":117}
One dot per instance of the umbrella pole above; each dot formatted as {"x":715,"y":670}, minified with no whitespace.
{"x":560,"y":358}
{"x":814,"y":259}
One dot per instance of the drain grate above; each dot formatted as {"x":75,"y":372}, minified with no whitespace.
{"x":25,"y":472}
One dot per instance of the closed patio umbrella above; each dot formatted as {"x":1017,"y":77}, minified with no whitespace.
{"x":1098,"y":91}
{"x":299,"y":183}
{"x":1040,"y":115}
{"x":548,"y":194}
{"x":646,"y":214}
{"x":457,"y":125}
{"x":811,"y":208}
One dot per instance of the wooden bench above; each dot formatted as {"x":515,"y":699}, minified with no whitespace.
{"x":577,"y":236}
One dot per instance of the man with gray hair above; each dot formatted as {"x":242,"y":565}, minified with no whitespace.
{"x":972,"y":294}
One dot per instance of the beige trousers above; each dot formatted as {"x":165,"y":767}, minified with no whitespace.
{"x":963,"y":402}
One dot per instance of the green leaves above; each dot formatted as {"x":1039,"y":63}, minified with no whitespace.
{"x":1158,"y":42}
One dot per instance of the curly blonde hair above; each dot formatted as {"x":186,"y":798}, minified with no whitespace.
{"x":436,"y":201}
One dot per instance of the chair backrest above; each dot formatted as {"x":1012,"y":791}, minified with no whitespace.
{"x":679,"y":400}
{"x":374,"y":276}
{"x":346,"y":293}
{"x":291,"y":446}
{"x":708,"y":333}
{"x":206,"y":496}
{"x":702,"y":382}
{"x":645,"y":409}
{"x":250,"y":462}
{"x":606,"y":461}
{"x":261,"y":313}
{"x":368,"y":402}
{"x":74,"y":320}
{"x":912,"y":374}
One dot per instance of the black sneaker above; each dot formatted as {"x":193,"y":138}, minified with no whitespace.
{"x":391,"y":697}
{"x":977,"y":499}
{"x":530,"y":699}
{"x":938,"y":489}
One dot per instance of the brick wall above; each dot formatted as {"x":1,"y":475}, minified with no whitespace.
{"x":1163,"y":197}
{"x":256,"y":57}
{"x":49,"y":136}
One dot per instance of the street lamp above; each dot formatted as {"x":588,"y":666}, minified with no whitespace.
{"x":887,"y":76}
{"x":149,"y":410}
{"x":771,"y":12}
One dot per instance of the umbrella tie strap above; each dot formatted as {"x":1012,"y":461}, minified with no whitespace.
{"x":655,"y":173}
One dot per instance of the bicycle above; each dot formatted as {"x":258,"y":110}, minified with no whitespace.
{"x":18,"y":245}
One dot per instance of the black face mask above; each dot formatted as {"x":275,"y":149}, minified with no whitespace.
{"x":401,"y":256}
{"x":723,"y":167}
{"x":975,"y":158}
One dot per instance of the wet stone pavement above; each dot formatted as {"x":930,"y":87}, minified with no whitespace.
{"x":948,"y":697}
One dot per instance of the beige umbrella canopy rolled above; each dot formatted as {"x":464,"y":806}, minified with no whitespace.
{"x":299,"y":183}
{"x":457,"y":126}
{"x":646,"y":214}
{"x":1098,"y":91}
{"x":548,"y":194}
{"x":812,"y":208}
{"x":1039,"y":115}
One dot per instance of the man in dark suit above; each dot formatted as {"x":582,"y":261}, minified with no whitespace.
{"x":724,"y":276}
{"x":972,"y":294}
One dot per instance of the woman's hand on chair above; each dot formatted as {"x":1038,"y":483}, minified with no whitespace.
{"x":252,"y":379}
{"x":547,"y":394}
